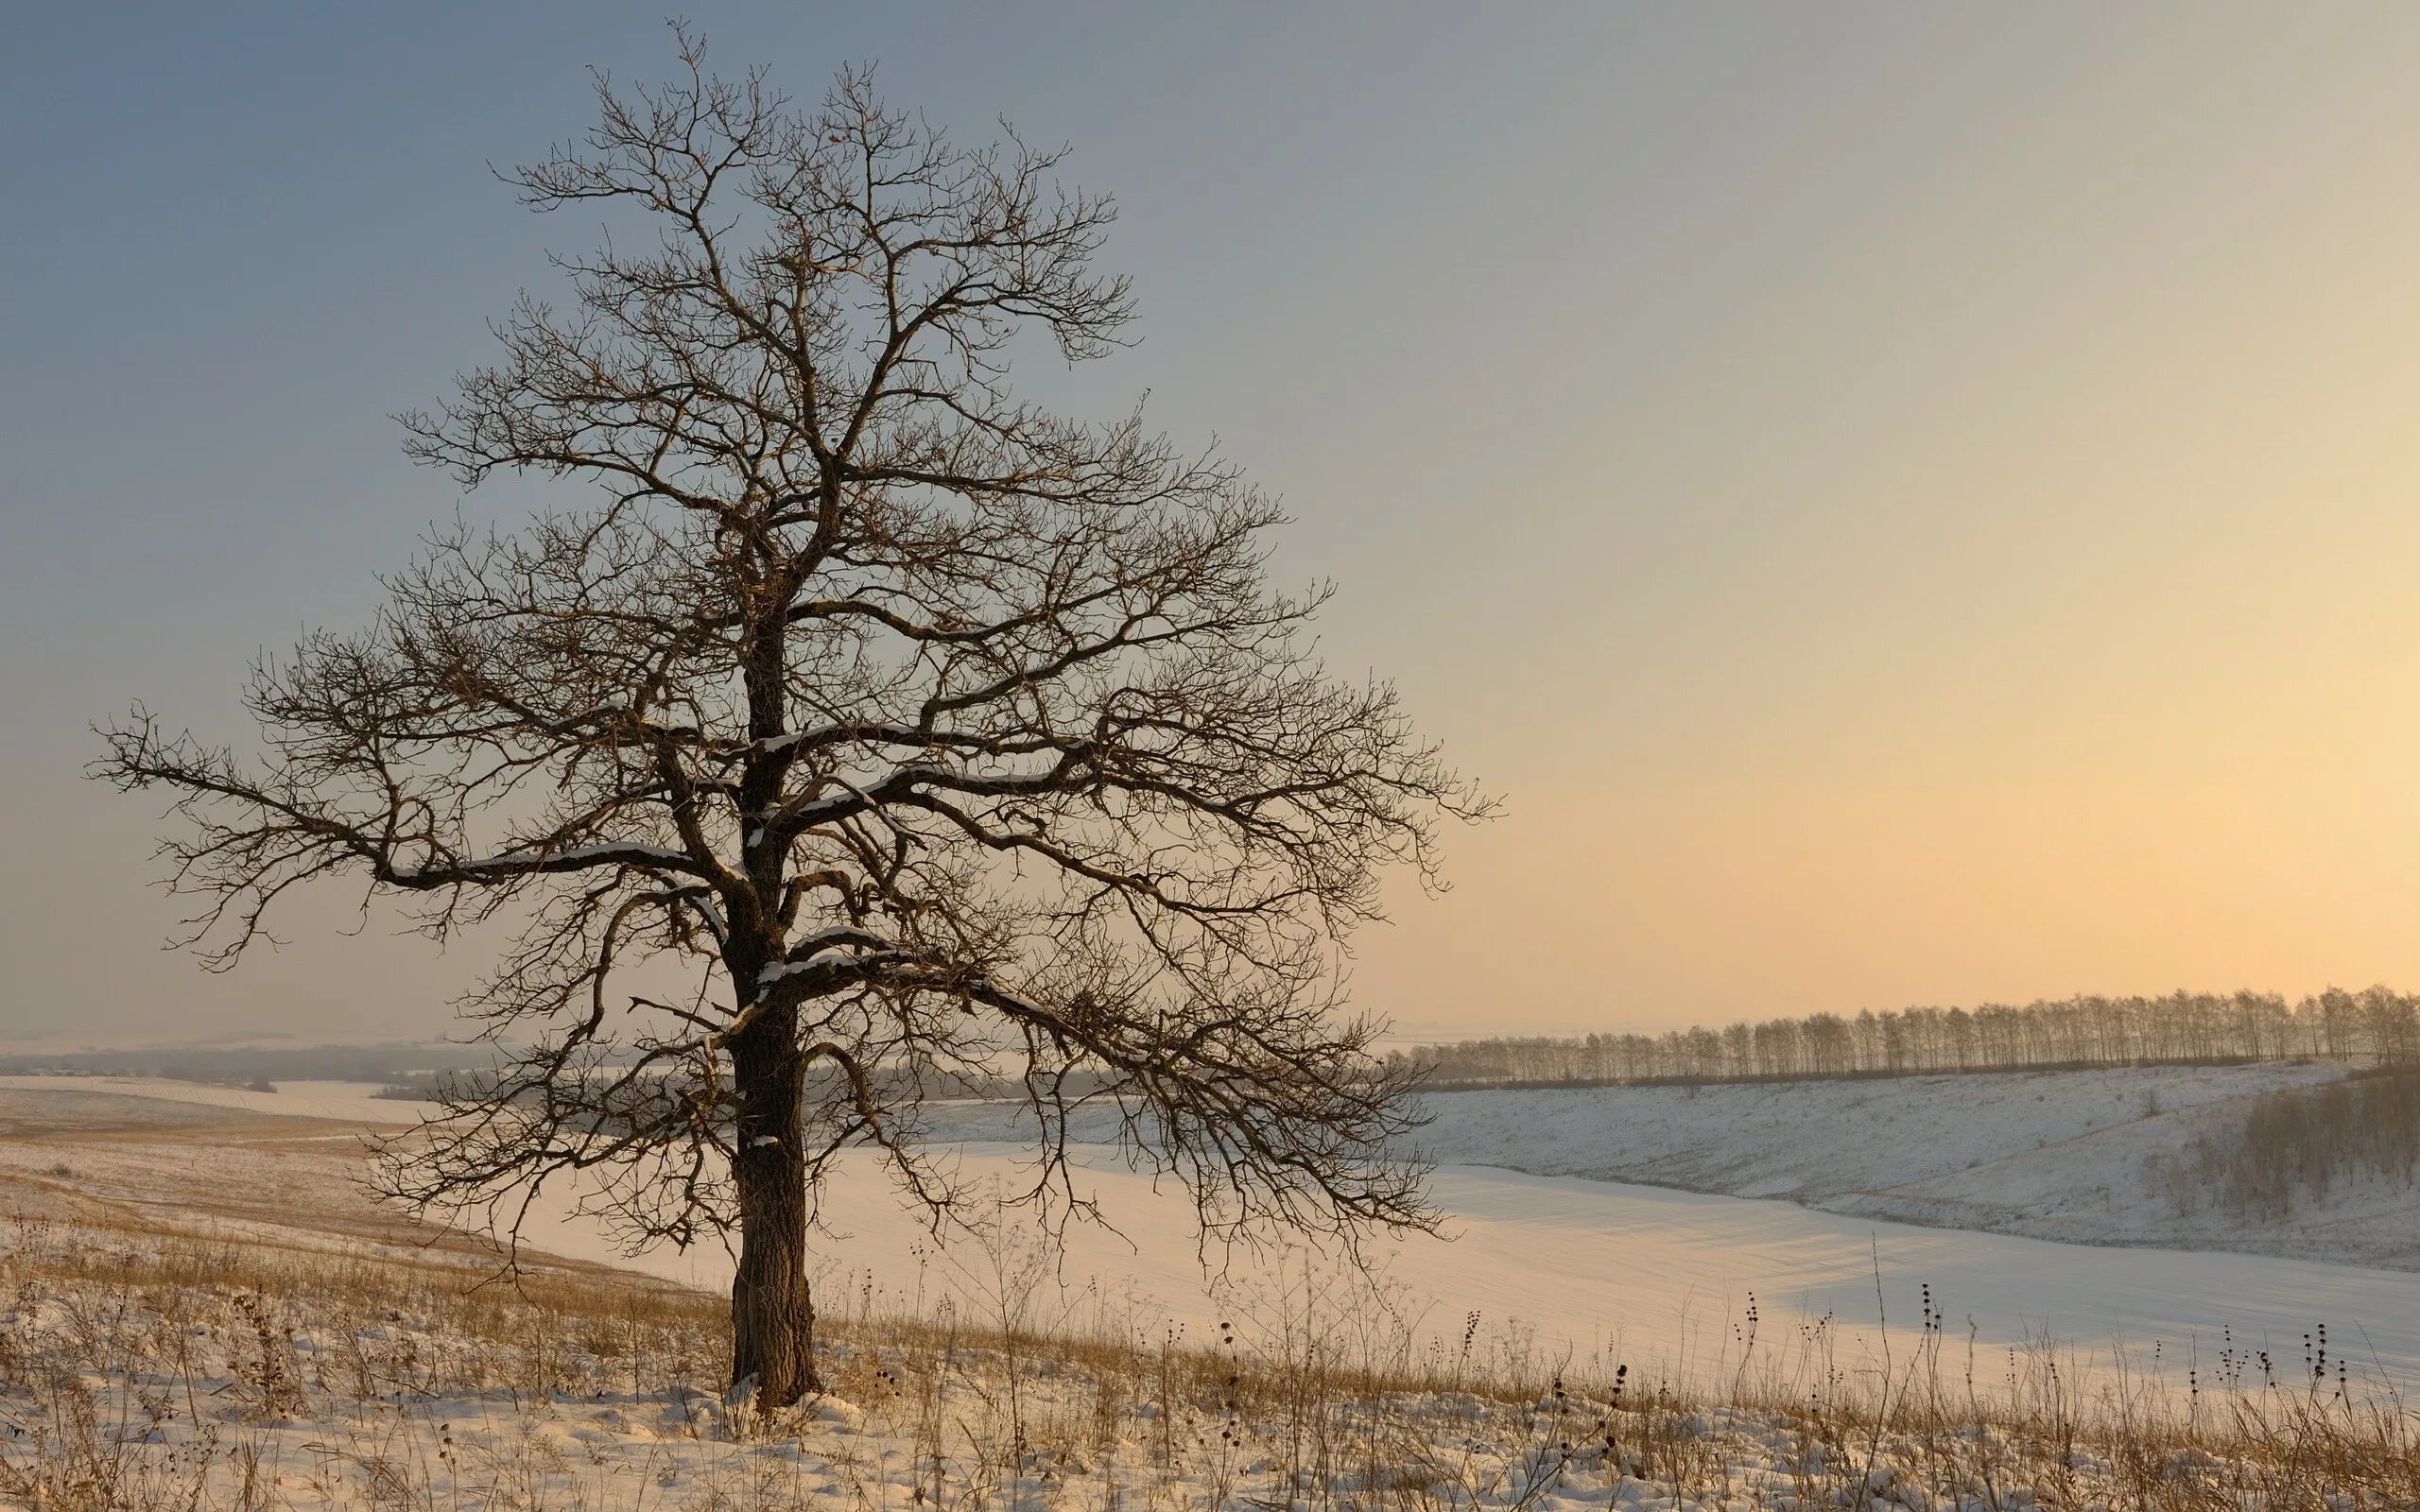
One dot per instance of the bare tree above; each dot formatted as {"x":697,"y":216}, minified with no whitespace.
{"x":873,"y":725}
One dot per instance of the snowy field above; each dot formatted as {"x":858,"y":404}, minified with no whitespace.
{"x":1606,"y":1273}
{"x":2047,"y":1155}
{"x":348,"y":1102}
{"x":1826,"y":1141}
{"x":143,"y":1374}
{"x":1559,"y":1264}
{"x":1544,"y":1279}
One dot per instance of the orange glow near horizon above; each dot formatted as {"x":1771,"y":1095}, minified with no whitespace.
{"x":1906,"y":504}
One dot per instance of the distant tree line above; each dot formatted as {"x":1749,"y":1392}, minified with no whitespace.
{"x":235,"y":1066}
{"x":2373,"y":1027}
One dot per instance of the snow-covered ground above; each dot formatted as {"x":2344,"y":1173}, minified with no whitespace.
{"x":2050,"y":1155}
{"x":1820,"y":1140}
{"x":1543,"y":1277}
{"x":349,"y":1102}
{"x":1653,"y":1277}
{"x":143,"y":1371}
{"x":2047,"y":1155}
{"x":2062,"y":1155}
{"x":1561,"y":1263}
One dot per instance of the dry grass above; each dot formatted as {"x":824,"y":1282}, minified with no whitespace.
{"x":143,"y":1369}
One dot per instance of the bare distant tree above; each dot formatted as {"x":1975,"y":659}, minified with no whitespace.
{"x":873,"y":725}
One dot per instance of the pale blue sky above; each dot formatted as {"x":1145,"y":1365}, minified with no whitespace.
{"x":1907,"y":503}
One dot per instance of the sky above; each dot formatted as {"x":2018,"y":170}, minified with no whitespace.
{"x":1907,"y":504}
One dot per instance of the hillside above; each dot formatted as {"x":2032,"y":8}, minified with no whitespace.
{"x":198,"y":1313}
{"x":2061,"y":1155}
{"x":1527,"y":1254}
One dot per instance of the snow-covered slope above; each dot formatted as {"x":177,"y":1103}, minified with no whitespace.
{"x":2049,"y":1155}
{"x":1816,"y":1139}
{"x":374,"y":1381}
{"x":2054,"y":1155}
{"x":1554,"y":1264}
{"x":347,"y":1102}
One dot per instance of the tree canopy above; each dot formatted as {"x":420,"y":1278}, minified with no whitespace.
{"x":863,"y":724}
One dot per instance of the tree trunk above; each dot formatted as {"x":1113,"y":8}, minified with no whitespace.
{"x":772,"y":1318}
